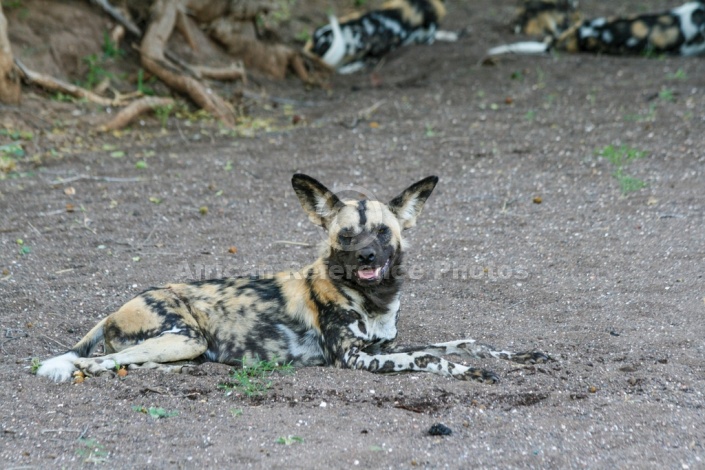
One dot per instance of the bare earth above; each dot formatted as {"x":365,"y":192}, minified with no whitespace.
{"x":527,"y":243}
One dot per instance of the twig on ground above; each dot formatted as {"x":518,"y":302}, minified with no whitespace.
{"x":287,"y":242}
{"x":57,"y":342}
{"x":106,"y":179}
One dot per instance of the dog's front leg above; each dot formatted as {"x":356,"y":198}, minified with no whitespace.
{"x":472,"y":349}
{"x":420,"y":361}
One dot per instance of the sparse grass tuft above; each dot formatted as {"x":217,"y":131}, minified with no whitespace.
{"x":155,"y":412}
{"x":253,"y":378}
{"x":288,"y":440}
{"x":619,"y":157}
{"x":34,"y":366}
{"x":91,"y":451}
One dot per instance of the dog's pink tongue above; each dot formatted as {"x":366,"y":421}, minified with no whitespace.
{"x":368,"y":273}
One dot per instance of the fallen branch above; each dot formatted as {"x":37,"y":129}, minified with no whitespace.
{"x":133,"y":110}
{"x":54,"y":84}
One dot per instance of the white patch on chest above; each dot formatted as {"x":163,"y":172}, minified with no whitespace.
{"x":378,"y":327}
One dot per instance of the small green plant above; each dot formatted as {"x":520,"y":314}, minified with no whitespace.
{"x":62,"y":97}
{"x":253,"y":378}
{"x":667,"y":94}
{"x":288,"y":440}
{"x":154,"y":412}
{"x":530,"y":115}
{"x":95,"y":73}
{"x":236,"y":412}
{"x":17,"y":135}
{"x":430,"y":132}
{"x":34,"y":365}
{"x":619,"y":157}
{"x":13,"y":150}
{"x":91,"y":451}
{"x":651,"y":53}
{"x":679,"y":74}
{"x":23,"y":249}
{"x":517,"y":75}
{"x":302,"y":36}
{"x":141,"y":165}
{"x":163,"y":113}
{"x":110,"y":49}
{"x":650,"y":116}
{"x":142,"y":86}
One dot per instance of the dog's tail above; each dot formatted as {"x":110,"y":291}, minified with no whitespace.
{"x":336,"y":52}
{"x":60,"y":368}
{"x":525,"y":48}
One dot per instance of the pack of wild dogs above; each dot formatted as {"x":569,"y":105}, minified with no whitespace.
{"x":362,"y":39}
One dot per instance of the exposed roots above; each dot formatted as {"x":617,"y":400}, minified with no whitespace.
{"x":10,"y":90}
{"x":134,"y":110}
{"x":56,"y":85}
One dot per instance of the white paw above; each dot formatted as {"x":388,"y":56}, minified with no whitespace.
{"x":59,"y":368}
{"x":446,"y":36}
{"x":95,"y":365}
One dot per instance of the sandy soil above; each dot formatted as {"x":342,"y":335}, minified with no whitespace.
{"x":527,"y":243}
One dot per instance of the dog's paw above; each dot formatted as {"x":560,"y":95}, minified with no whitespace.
{"x":479,"y":375}
{"x":95,"y":365}
{"x":531,"y":357}
{"x":60,"y":368}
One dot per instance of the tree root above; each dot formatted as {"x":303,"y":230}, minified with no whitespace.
{"x":164,"y":18}
{"x":10,"y":90}
{"x":54,"y":84}
{"x":133,"y":110}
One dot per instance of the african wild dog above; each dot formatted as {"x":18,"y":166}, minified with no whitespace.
{"x":546,"y":17}
{"x":350,"y":43}
{"x":342,"y":310}
{"x":679,"y":31}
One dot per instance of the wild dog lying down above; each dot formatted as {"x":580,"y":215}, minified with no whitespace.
{"x":342,"y":310}
{"x":546,"y":17}
{"x":353,"y":42}
{"x":679,"y":31}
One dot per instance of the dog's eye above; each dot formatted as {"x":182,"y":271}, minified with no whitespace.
{"x":383,"y":231}
{"x":346,"y":236}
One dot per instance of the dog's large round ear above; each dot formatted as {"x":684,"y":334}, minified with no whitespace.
{"x":408,"y":205}
{"x":318,"y":201}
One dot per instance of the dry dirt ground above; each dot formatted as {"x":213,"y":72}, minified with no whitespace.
{"x":527,"y":243}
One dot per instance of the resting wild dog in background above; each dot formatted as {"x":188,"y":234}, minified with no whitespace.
{"x":679,"y":31}
{"x":342,"y":310}
{"x":350,"y":43}
{"x":546,"y":17}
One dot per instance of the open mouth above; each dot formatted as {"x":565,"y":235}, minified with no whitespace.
{"x":372,"y":274}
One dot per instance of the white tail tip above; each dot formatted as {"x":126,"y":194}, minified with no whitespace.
{"x":335,"y":53}
{"x":527,"y":48}
{"x":59,"y":368}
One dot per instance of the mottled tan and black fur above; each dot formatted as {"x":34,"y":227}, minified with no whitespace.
{"x":546,"y":17}
{"x":678,"y":31}
{"x":353,"y":42}
{"x":342,"y":310}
